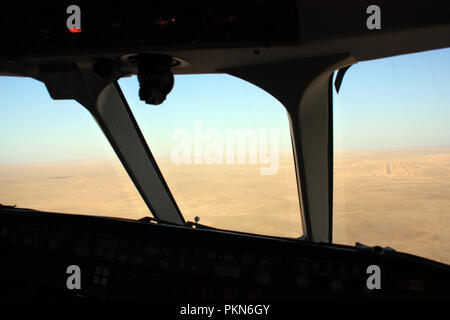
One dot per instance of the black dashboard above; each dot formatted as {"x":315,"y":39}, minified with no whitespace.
{"x":123,"y":259}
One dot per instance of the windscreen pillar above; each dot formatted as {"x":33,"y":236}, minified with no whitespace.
{"x":104,"y":99}
{"x":114,"y":116}
{"x":304,"y":88}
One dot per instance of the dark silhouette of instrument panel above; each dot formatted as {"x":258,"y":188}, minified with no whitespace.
{"x":128,"y":259}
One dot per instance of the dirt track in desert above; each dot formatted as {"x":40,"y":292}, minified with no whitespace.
{"x":397,"y":198}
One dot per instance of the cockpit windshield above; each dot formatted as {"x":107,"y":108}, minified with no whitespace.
{"x":223,"y":146}
{"x":54,"y":157}
{"x":392,"y":154}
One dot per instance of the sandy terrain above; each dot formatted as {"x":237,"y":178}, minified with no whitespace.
{"x":228,"y":196}
{"x":396,"y":198}
{"x":238,"y":197}
{"x":382,"y":197}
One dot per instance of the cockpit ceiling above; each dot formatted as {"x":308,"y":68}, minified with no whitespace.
{"x":215,"y":35}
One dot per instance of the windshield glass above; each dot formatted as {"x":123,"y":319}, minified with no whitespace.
{"x":392,"y":154}
{"x":54,"y":157}
{"x":224,"y":147}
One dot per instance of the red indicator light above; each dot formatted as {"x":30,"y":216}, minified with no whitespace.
{"x":74,"y":30}
{"x":162,"y":23}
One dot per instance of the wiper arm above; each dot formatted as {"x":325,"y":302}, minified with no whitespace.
{"x":190,"y":224}
{"x":7,"y":206}
{"x":196,"y":225}
{"x":153,"y":220}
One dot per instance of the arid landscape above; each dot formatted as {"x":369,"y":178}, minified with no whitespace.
{"x":397,"y":198}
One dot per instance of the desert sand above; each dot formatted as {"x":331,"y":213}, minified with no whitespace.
{"x":398,"y":198}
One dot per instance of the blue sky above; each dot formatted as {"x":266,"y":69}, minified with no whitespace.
{"x":33,"y":127}
{"x":401,"y":101}
{"x":218,"y":101}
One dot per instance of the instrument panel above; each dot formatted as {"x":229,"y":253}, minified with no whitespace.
{"x":123,"y":259}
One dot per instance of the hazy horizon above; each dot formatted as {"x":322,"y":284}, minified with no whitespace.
{"x":382,"y":103}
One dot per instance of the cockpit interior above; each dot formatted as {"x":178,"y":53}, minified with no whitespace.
{"x":222,"y":123}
